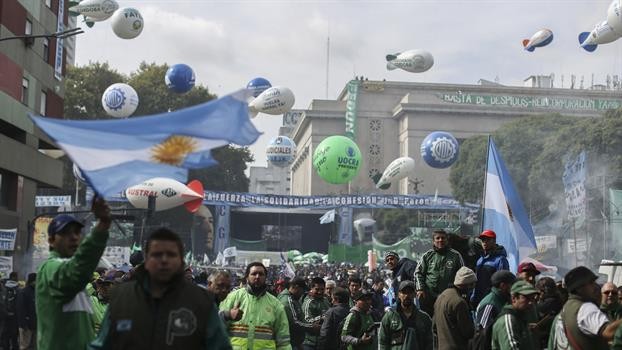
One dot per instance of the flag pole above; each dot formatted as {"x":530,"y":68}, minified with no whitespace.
{"x":485,"y":180}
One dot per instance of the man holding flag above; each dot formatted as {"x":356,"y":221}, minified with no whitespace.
{"x":504,"y":212}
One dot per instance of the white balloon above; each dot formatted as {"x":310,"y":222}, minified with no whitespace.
{"x":95,"y":10}
{"x":168,"y":194}
{"x":120,"y":100}
{"x":276,"y":100}
{"x":414,"y":61}
{"x":614,"y":16}
{"x":127,"y":23}
{"x":397,"y":169}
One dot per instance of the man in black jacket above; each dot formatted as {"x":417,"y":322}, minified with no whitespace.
{"x":403,"y":269}
{"x":27,"y":314}
{"x":330,"y":331}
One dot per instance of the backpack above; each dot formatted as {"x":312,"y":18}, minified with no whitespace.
{"x":356,"y":318}
{"x":482,"y":340}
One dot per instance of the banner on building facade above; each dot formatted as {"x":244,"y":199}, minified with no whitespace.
{"x":353,"y":89}
{"x":52,"y":201}
{"x":7,"y":239}
{"x":60,"y":27}
{"x":345,"y":225}
{"x":328,"y":202}
{"x":574,"y":186}
{"x":222,"y":228}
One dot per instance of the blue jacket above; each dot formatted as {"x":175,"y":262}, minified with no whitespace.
{"x":486,"y":265}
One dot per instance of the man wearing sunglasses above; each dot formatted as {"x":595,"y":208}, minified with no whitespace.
{"x":609,"y":301}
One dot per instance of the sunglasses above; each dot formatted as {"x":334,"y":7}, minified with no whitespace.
{"x":607,"y":292}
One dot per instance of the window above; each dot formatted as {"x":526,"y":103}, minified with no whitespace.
{"x":25,"y":91}
{"x":28,"y":29}
{"x":48,"y":3}
{"x":43,"y":105}
{"x":46,"y":50}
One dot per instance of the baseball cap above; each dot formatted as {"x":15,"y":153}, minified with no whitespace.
{"x":362,"y":294}
{"x":406,"y":284}
{"x":60,"y":222}
{"x":488,"y":234}
{"x":578,"y":277}
{"x":527,"y":266}
{"x":523,"y":287}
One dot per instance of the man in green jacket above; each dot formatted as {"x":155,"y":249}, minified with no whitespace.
{"x":405,"y":327}
{"x":64,"y":309}
{"x":511,"y":330}
{"x":492,"y":304}
{"x":358,"y":332}
{"x":314,"y":307}
{"x":436,"y":271}
{"x":290,"y":298}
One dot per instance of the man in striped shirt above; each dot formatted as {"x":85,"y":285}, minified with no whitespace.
{"x":511,"y":330}
{"x":493,"y":302}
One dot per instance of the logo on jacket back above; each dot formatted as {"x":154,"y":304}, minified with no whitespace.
{"x":181,"y":323}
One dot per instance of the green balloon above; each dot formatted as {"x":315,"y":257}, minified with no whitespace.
{"x":337,"y":159}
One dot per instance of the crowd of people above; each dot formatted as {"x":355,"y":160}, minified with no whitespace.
{"x":434,"y":303}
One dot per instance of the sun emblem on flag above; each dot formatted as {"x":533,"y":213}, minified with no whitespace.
{"x":173,"y":150}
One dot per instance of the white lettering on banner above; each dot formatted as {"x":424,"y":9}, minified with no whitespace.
{"x":58,"y":61}
{"x":117,"y":255}
{"x":532,"y":101}
{"x":52,"y":201}
{"x":7,"y":239}
{"x":545,"y":243}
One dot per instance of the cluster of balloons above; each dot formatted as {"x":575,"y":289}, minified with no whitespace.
{"x":268,"y":99}
{"x":126,"y":22}
{"x":606,"y":31}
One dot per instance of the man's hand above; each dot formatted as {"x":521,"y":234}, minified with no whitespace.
{"x":365,"y":339}
{"x":315,"y":328}
{"x":102,"y":212}
{"x":420,"y":294}
{"x":236,"y":313}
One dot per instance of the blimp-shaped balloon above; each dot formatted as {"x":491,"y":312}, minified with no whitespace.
{"x":337,"y":159}
{"x":414,"y":61}
{"x":601,"y":34}
{"x":258,"y":85}
{"x":397,"y":170}
{"x":93,"y":10}
{"x":179,"y":78}
{"x":614,"y":16}
{"x":276,"y":100}
{"x":281,"y":151}
{"x":120,"y":100}
{"x":168,"y":194}
{"x":127,"y":23}
{"x":541,"y":38}
{"x":77,"y":173}
{"x":440,"y":149}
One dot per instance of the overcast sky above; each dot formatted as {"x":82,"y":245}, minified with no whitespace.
{"x":228,"y":43}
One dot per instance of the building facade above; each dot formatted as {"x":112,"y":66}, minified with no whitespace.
{"x":391,"y":119}
{"x":31,"y":82}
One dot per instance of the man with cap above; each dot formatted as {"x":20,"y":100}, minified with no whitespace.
{"x":527,"y":272}
{"x":511,"y":330}
{"x":401,"y":269}
{"x":64,"y":309}
{"x":452,"y":315}
{"x":405,"y":327}
{"x":609,"y":301}
{"x":436,"y":270}
{"x":492,"y":260}
{"x":290,"y":298}
{"x":358,"y":328}
{"x":581,"y":324}
{"x":492,"y":304}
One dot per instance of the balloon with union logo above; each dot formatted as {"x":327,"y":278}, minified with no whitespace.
{"x":439,"y":149}
{"x":120,"y":100}
{"x":179,"y":78}
{"x":127,"y":23}
{"x":281,"y":151}
{"x":258,"y":85}
{"x":337,"y":159}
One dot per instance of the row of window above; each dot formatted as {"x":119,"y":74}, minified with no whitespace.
{"x":46,"y":41}
{"x":43,"y":99}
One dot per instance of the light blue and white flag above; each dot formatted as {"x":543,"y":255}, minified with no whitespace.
{"x":328,"y":217}
{"x":116,"y":154}
{"x":504,"y":212}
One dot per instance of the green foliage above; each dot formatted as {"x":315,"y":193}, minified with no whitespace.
{"x":84,"y":88}
{"x":228,"y":175}
{"x":467,"y":174}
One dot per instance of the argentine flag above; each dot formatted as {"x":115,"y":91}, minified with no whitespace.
{"x":504,"y":212}
{"x":116,"y":154}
